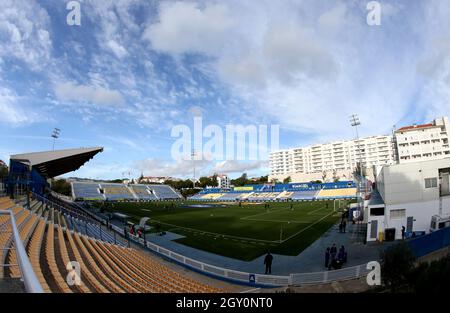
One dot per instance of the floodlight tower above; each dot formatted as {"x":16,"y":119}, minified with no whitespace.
{"x":355,"y":122}
{"x":193,"y":164}
{"x":55,"y":134}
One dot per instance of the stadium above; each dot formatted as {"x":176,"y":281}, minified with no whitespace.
{"x":117,"y":237}
{"x":220,"y":147}
{"x":245,"y":223}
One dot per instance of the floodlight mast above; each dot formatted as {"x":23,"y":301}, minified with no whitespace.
{"x":355,"y":122}
{"x":193,"y":164}
{"x":55,"y":135}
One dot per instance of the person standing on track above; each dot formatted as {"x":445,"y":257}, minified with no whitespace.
{"x":268,"y":263}
{"x":327,"y":257}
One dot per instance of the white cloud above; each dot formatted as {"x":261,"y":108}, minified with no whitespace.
{"x":24,"y":32}
{"x":231,"y":166}
{"x":117,"y":49}
{"x":294,"y":53}
{"x":434,"y":64}
{"x":158,"y":167}
{"x":82,"y":93}
{"x":187,"y":27}
{"x":12,"y":113}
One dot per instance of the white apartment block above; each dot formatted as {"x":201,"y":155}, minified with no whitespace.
{"x":423,"y":142}
{"x":223,"y":181}
{"x":338,"y":156}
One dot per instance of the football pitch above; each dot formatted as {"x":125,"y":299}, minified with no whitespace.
{"x":241,"y":232}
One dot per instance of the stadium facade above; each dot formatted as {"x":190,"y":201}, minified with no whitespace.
{"x":409,"y":195}
{"x":339,"y":159}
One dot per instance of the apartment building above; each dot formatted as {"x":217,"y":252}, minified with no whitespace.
{"x":223,"y":181}
{"x":337,"y":158}
{"x":423,"y":142}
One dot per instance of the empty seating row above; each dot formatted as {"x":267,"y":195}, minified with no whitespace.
{"x":89,"y":191}
{"x":105,"y":267}
{"x":337,"y":193}
{"x":117,"y":192}
{"x":165,"y":192}
{"x":143,"y":192}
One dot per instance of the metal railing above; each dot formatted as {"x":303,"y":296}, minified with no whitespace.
{"x":348,"y":273}
{"x":29,"y":278}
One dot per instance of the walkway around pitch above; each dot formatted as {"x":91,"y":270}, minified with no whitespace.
{"x":309,"y":260}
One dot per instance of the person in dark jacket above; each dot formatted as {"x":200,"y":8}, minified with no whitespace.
{"x":327,"y":257}
{"x":268,"y":263}
{"x":333,"y":251}
{"x":344,"y":225}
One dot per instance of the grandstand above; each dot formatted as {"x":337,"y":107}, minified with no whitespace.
{"x":281,"y":192}
{"x":106,"y":267}
{"x":40,"y":237}
{"x":143,"y":192}
{"x":86,"y":191}
{"x":165,"y":192}
{"x":94,"y":191}
{"x":116,"y":192}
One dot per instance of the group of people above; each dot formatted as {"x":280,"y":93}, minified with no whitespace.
{"x":334,"y":259}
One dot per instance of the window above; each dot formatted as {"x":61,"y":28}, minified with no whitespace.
{"x":431,"y":182}
{"x":377,"y":211}
{"x":398,"y":213}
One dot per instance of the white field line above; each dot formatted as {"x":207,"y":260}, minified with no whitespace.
{"x":275,"y":221}
{"x":311,"y":213}
{"x":263,"y":213}
{"x":217,"y":234}
{"x":247,"y":218}
{"x":302,"y":230}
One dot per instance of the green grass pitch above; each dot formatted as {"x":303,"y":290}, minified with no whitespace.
{"x":244,"y":232}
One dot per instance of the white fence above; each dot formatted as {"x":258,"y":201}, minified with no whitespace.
{"x":259,"y":279}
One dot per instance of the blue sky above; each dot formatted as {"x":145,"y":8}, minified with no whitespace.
{"x":134,"y":69}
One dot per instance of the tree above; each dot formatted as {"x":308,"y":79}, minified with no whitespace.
{"x":335,"y":176}
{"x":287,"y":180}
{"x":357,"y":170}
{"x":431,"y":277}
{"x":61,"y":186}
{"x":275,"y":181}
{"x":207,"y":181}
{"x":241,"y":181}
{"x":324,"y":176}
{"x":3,"y":169}
{"x":396,"y":265}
